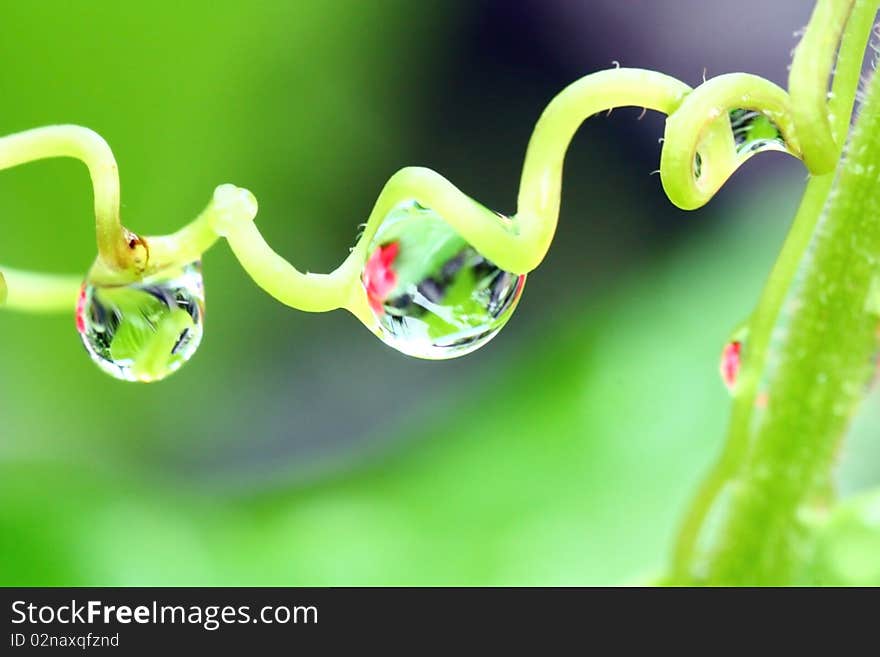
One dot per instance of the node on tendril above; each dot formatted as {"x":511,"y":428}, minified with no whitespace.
{"x":138,"y":250}
{"x":232,"y":206}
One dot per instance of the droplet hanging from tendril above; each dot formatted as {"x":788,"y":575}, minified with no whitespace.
{"x":147,"y":330}
{"x":434,"y":295}
{"x":755,"y":132}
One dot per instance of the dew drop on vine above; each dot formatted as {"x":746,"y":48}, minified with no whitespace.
{"x":754,"y":132}
{"x":147,"y":330}
{"x":434,"y":295}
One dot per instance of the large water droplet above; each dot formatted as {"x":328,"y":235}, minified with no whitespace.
{"x":147,"y":330}
{"x":754,"y":132}
{"x":433,"y":295}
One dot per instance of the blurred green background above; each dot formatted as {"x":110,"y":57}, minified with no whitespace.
{"x":296,"y":449}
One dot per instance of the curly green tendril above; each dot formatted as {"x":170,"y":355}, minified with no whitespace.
{"x":701,"y":150}
{"x":698,"y":130}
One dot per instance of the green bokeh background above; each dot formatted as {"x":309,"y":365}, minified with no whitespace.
{"x":296,"y":449}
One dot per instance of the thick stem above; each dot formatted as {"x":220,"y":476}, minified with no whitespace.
{"x":809,"y":71}
{"x":825,"y":364}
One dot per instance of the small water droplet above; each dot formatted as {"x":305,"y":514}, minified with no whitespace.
{"x":754,"y":132}
{"x":433,"y":295}
{"x":147,"y":330}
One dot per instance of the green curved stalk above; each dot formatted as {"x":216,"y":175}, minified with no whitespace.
{"x":698,"y":125}
{"x":541,"y":183}
{"x":91,"y":149}
{"x":821,"y":33}
{"x":823,"y":131}
{"x":698,"y":129}
{"x":825,"y":365}
{"x":40,"y":293}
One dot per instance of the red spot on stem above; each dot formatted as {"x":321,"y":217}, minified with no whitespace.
{"x":730,"y":363}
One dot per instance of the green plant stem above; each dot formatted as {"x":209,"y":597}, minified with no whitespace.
{"x":91,"y":149}
{"x":45,"y":293}
{"x":41,"y":293}
{"x":698,"y":125}
{"x":541,"y":182}
{"x":820,"y":33}
{"x":759,"y":337}
{"x":825,"y":364}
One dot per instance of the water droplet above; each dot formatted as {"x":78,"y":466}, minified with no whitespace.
{"x":433,"y":295}
{"x":754,"y":132}
{"x":147,"y":330}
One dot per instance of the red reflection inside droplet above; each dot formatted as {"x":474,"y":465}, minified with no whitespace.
{"x":379,"y":276}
